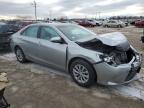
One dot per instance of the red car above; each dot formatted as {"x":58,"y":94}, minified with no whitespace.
{"x":86,"y":23}
{"x":139,"y":24}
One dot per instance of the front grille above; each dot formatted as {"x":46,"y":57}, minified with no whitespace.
{"x":122,"y":57}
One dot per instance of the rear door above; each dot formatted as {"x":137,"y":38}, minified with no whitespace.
{"x":52,"y":53}
{"x":114,"y":24}
{"x":29,"y":41}
{"x":111,"y":24}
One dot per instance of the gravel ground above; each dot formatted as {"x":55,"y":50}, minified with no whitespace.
{"x":34,"y":86}
{"x":32,"y":89}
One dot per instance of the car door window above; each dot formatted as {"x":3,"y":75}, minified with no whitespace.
{"x":47,"y":33}
{"x":111,"y":21}
{"x":31,"y":31}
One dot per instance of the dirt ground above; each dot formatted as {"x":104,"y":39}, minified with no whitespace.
{"x":35,"y":87}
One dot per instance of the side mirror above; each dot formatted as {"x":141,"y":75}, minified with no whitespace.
{"x":57,"y":40}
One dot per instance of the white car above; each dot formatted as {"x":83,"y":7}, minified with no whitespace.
{"x":95,"y":22}
{"x":114,"y":23}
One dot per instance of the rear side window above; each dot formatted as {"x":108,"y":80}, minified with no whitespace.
{"x":31,"y":31}
{"x":113,"y":21}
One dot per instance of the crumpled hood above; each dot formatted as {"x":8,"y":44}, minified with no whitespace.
{"x":115,"y":39}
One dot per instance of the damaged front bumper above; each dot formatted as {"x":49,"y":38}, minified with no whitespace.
{"x":121,"y":74}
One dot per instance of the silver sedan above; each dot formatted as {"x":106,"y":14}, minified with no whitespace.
{"x":107,"y":59}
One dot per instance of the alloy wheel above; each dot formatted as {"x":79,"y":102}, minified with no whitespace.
{"x":19,"y":55}
{"x":81,"y":73}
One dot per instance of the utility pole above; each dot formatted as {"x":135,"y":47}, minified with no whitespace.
{"x":99,"y":14}
{"x":50,"y":15}
{"x":96,"y":15}
{"x":35,"y":7}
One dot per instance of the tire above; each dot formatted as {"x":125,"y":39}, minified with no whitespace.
{"x":106,"y":26}
{"x":97,"y":24}
{"x":119,"y":26}
{"x":85,"y":79}
{"x":20,"y":55}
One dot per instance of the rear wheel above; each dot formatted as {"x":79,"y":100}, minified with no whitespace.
{"x":82,"y":73}
{"x":119,"y":26}
{"x":106,"y":26}
{"x":20,"y":55}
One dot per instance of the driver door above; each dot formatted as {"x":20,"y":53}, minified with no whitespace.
{"x":51,"y":53}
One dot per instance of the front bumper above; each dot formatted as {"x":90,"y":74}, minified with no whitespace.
{"x":114,"y":75}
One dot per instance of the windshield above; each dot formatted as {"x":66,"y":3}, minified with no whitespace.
{"x":75,"y":33}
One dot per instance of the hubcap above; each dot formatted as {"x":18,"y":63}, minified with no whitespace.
{"x":19,"y":55}
{"x":81,"y":73}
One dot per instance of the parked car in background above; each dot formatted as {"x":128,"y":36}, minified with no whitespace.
{"x":126,"y":23}
{"x":86,"y":23}
{"x":73,"y":22}
{"x":95,"y":22}
{"x":64,"y":21}
{"x":22,"y":24}
{"x":134,"y":21}
{"x":6,"y":30}
{"x":114,"y":23}
{"x":107,"y":59}
{"x":101,"y":21}
{"x":139,"y":24}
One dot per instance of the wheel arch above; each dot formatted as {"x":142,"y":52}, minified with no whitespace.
{"x":15,"y":47}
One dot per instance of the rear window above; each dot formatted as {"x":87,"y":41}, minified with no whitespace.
{"x":31,"y":31}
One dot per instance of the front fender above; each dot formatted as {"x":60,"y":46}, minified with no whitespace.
{"x":93,"y":60}
{"x":74,"y":51}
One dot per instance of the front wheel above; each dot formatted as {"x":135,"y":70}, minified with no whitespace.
{"x":82,"y":73}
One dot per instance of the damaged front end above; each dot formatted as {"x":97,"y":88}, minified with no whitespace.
{"x":120,"y":61}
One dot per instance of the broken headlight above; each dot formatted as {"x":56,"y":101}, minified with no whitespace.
{"x":138,"y":57}
{"x":108,"y":59}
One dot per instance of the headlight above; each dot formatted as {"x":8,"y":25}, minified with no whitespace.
{"x":108,"y":59}
{"x":138,"y":57}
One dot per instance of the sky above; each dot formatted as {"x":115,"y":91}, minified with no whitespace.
{"x":71,"y":8}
